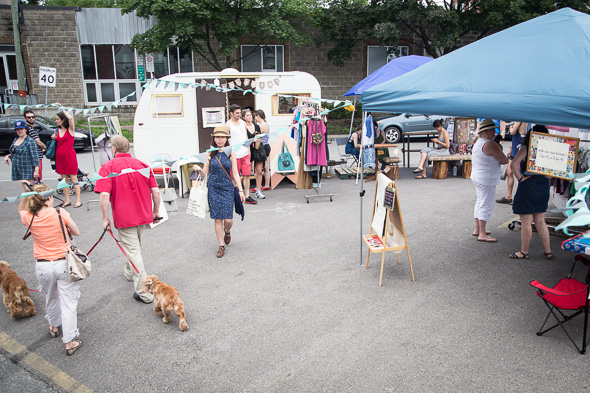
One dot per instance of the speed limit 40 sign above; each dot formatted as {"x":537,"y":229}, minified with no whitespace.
{"x":47,"y":76}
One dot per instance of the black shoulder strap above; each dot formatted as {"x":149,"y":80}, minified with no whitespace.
{"x":28,"y":233}
{"x":61,"y":224}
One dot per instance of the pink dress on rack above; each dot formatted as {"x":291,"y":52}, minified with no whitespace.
{"x":66,"y":162}
{"x":316,"y":153}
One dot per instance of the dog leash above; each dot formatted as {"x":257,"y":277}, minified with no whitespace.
{"x":96,"y":244}
{"x":124,"y":253}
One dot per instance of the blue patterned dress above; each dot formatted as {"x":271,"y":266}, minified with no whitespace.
{"x":221,"y":189}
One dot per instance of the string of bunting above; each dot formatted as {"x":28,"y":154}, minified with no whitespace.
{"x":172,"y":85}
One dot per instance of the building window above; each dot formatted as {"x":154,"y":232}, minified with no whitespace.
{"x":378,"y":56}
{"x":268,"y":58}
{"x":110,"y":71}
{"x":172,"y":61}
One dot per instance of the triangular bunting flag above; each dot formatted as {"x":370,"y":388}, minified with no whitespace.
{"x":113,"y":174}
{"x":62,"y":184}
{"x":11,"y":200}
{"x":145,"y":172}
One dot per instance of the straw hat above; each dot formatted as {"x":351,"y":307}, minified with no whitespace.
{"x":221,"y":131}
{"x":486,"y":125}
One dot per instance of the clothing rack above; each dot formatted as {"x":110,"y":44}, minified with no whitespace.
{"x":317,"y":186}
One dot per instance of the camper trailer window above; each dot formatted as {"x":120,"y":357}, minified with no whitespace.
{"x":282,"y":105}
{"x":167,"y":105}
{"x":213,"y":117}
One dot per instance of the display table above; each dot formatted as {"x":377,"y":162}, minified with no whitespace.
{"x":579,"y":244}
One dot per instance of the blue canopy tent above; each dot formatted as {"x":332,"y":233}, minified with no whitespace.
{"x":393,"y":69}
{"x":537,"y":71}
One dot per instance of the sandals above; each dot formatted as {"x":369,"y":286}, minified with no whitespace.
{"x":417,"y":170}
{"x":77,"y":206}
{"x":487,"y":239}
{"x":421,"y":177}
{"x":516,"y":256}
{"x":71,"y":351}
{"x":226,"y":237}
{"x":54,"y":333}
{"x":548,"y":255}
{"x":220,"y":252}
{"x":477,"y":234}
{"x":67,"y":204}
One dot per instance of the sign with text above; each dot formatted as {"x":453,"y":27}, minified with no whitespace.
{"x":149,"y":62}
{"x":552,"y":155}
{"x":389,"y":197}
{"x":47,"y":76}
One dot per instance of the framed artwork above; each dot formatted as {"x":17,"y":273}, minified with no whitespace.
{"x":552,"y":155}
{"x":213,"y":117}
{"x":464,"y":130}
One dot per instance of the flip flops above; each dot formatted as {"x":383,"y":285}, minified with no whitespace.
{"x":77,"y":206}
{"x":66,"y":204}
{"x":548,"y":255}
{"x":477,"y":234}
{"x":516,"y":256}
{"x":488,"y":240}
{"x":420,"y":177}
{"x":418,"y":170}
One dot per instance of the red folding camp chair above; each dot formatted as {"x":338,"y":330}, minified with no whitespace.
{"x":568,"y":294}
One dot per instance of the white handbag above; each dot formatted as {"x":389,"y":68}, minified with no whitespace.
{"x":198,"y":202}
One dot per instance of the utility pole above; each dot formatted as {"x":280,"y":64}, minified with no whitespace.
{"x":20,"y":66}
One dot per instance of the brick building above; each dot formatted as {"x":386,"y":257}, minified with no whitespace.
{"x":95,"y":65}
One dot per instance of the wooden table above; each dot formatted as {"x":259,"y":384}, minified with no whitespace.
{"x":379,"y":146}
{"x":406,"y":141}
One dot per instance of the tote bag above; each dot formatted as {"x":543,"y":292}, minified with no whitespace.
{"x":50,"y":153}
{"x":285,"y":163}
{"x":198,"y":202}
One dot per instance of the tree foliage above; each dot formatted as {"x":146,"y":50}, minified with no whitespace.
{"x":214,"y":29}
{"x":78,"y":3}
{"x":438,"y":27}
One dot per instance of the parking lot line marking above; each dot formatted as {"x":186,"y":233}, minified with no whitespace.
{"x":42,"y":366}
{"x":505,"y":225}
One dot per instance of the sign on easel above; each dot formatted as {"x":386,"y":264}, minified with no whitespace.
{"x":387,"y":226}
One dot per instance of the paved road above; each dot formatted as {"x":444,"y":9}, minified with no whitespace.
{"x":290,"y":309}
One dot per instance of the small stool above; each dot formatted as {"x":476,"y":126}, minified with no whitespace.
{"x":392,"y":163}
{"x":466,"y":169}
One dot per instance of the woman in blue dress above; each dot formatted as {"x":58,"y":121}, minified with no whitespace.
{"x":530,"y":201}
{"x":221,"y":187}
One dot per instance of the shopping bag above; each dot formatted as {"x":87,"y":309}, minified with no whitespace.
{"x":285,"y":163}
{"x":198,"y":203}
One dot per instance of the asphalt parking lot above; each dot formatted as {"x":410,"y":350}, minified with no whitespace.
{"x":289,"y":308}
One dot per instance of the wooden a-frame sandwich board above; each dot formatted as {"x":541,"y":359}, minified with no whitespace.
{"x":384,"y":238}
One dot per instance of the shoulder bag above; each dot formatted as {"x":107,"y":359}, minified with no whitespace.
{"x":79,"y":266}
{"x":285,"y":163}
{"x":238,"y":205}
{"x":50,"y":153}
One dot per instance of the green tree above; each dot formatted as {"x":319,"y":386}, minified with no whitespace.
{"x":214,"y":29}
{"x":79,"y":3}
{"x":437,"y":26}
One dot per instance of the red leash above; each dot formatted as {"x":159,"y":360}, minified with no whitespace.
{"x":122,"y":251}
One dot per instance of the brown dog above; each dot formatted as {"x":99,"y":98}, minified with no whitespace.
{"x":16,"y":294}
{"x":166,"y":300}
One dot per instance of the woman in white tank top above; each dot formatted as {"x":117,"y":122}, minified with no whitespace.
{"x":486,"y":158}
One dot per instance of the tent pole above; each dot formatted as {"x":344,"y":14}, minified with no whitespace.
{"x":352,"y":119}
{"x":362,"y":191}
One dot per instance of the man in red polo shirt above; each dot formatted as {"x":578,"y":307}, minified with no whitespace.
{"x":135,"y":200}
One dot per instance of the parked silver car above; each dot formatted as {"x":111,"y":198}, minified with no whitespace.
{"x":398,"y":124}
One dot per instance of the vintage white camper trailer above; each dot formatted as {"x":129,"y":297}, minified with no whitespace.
{"x":178,"y":120}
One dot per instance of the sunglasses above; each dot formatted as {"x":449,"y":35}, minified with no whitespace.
{"x":30,"y":117}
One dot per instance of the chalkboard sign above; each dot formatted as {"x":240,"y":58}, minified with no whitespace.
{"x":552,"y":155}
{"x":389,"y":198}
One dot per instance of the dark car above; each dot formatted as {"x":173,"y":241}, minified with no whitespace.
{"x":46,"y":127}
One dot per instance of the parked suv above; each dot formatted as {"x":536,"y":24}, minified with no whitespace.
{"x":46,"y":127}
{"x":398,"y":124}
